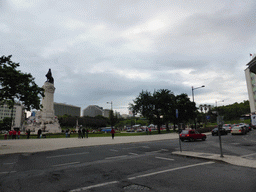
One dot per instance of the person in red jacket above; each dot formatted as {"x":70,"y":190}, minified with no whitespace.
{"x":113,"y":133}
{"x":18,"y":134}
{"x":14,"y":134}
{"x":10,"y":134}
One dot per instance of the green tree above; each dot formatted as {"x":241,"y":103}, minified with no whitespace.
{"x":165,"y":102}
{"x":147,"y":105}
{"x":186,"y":108}
{"x":5,"y":123}
{"x":16,"y":85}
{"x":160,"y":107}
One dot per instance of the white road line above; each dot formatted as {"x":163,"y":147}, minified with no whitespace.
{"x":157,"y":151}
{"x":169,"y":170}
{"x":8,"y":172}
{"x":9,"y":163}
{"x":94,"y":186}
{"x":133,"y":153}
{"x":249,"y":155}
{"x":67,"y":155}
{"x":137,"y":147}
{"x":116,"y":157}
{"x":165,"y":158}
{"x":66,"y":164}
{"x":164,"y":149}
{"x":113,"y":150}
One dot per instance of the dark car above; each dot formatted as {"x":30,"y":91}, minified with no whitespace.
{"x":222,"y":131}
{"x":191,"y":135}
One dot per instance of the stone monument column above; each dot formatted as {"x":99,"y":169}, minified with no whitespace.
{"x":46,"y":119}
{"x":47,"y":102}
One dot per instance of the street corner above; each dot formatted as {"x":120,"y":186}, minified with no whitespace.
{"x":233,"y":160}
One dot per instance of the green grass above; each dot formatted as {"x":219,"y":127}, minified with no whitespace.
{"x":75,"y":135}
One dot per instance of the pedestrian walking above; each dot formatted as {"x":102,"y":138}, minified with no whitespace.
{"x":28,"y":133}
{"x":67,"y":130}
{"x":149,"y":131}
{"x":10,"y":134}
{"x":19,"y":134}
{"x":87,"y":131}
{"x":39,"y":133}
{"x":14,"y":134}
{"x":79,"y":133}
{"x":83,"y":133}
{"x":113,"y":133}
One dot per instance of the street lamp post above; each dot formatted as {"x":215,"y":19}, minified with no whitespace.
{"x":111,"y":120}
{"x":193,"y":98}
{"x":219,"y":121}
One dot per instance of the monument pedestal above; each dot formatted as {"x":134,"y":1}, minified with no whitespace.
{"x":46,"y":119}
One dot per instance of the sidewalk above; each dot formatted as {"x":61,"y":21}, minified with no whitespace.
{"x":234,"y":160}
{"x":39,"y":145}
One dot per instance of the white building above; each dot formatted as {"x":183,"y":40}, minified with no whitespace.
{"x":61,"y":109}
{"x":93,"y":111}
{"x":250,"y":75}
{"x":17,"y":117}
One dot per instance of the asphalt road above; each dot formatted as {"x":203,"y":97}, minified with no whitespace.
{"x":147,"y":166}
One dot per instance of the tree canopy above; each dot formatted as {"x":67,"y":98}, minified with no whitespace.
{"x":18,"y":86}
{"x":160,"y":107}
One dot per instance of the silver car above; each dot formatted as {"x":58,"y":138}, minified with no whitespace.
{"x":238,"y":130}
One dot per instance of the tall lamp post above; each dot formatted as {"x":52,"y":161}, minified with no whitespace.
{"x":193,"y":98}
{"x":219,"y":121}
{"x":111,"y":119}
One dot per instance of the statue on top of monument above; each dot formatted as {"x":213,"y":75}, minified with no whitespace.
{"x":49,"y":77}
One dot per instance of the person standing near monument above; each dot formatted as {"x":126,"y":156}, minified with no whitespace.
{"x":79,"y":133}
{"x":10,"y":134}
{"x":83,"y":133}
{"x":113,"y":133}
{"x":39,"y":133}
{"x":28,"y":133}
{"x":14,"y":134}
{"x":87,"y":131}
{"x":67,"y":131}
{"x":19,"y":134}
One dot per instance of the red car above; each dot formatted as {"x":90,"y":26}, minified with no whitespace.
{"x":191,"y":135}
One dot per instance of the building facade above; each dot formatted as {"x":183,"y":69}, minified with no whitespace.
{"x":251,"y":88}
{"x":61,"y":109}
{"x":18,"y":115}
{"x":93,"y":111}
{"x":106,"y":113}
{"x":250,"y":75}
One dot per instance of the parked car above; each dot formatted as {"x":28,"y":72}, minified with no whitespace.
{"x":248,"y":127}
{"x":227,"y":127}
{"x":191,"y":135}
{"x":238,"y":130}
{"x":139,"y":130}
{"x":222,"y":131}
{"x":106,"y":130}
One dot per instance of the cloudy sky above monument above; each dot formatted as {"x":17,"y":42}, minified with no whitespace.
{"x":101,"y":51}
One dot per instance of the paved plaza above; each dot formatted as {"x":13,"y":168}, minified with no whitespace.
{"x":48,"y":144}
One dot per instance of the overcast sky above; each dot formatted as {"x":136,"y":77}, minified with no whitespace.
{"x":110,"y":50}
